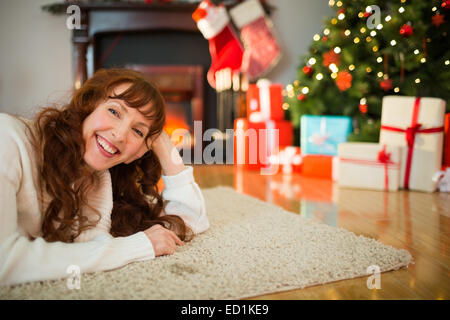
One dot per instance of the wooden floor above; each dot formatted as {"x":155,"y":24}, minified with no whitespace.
{"x":418,"y":222}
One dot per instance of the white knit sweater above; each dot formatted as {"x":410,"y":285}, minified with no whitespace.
{"x":25,"y":256}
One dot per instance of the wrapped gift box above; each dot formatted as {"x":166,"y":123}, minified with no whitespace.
{"x":289,"y":159}
{"x":416,"y":124}
{"x":447,"y":140}
{"x":322,"y":134}
{"x":369,"y":166}
{"x":255,"y":142}
{"x":320,"y":166}
{"x":264,"y":101}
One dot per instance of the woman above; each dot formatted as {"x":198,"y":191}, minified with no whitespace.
{"x":78,"y":185}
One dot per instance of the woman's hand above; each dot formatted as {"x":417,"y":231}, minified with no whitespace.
{"x":164,"y":241}
{"x":168,"y":155}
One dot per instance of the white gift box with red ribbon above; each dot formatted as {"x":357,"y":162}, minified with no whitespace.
{"x":369,"y":166}
{"x":415,"y":124}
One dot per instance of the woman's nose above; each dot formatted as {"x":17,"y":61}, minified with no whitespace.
{"x":119,"y":132}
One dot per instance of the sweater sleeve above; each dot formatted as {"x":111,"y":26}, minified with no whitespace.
{"x":185,"y":199}
{"x":24,"y":260}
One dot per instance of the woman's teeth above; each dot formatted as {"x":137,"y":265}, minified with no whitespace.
{"x":105,"y":146}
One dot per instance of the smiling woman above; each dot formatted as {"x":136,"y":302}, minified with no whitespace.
{"x":88,"y":173}
{"x":118,"y":131}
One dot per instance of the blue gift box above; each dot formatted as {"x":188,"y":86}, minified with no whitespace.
{"x":322,"y":134}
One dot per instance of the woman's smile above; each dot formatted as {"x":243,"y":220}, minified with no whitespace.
{"x":106,"y":148}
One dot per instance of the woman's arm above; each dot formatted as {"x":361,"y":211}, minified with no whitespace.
{"x":185,"y":199}
{"x":184,"y":196}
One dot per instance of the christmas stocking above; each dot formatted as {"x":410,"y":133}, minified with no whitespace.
{"x":224,"y":46}
{"x":262,"y":52}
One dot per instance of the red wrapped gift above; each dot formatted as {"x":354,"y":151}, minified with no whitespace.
{"x":447,"y":140}
{"x":254,"y":143}
{"x":264,"y":101}
{"x":320,"y":166}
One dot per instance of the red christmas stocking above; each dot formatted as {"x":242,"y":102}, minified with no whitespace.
{"x":262,"y":51}
{"x":224,"y":46}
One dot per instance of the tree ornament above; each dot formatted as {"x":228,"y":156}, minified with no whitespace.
{"x":386,"y":84}
{"x":367,"y":14}
{"x":331,"y":57}
{"x":342,"y":10}
{"x":437,"y":19}
{"x":445,"y":4}
{"x":344,"y":80}
{"x":363,"y":108}
{"x":406,"y":30}
{"x":301,"y":97}
{"x":324,"y":39}
{"x":307,"y":70}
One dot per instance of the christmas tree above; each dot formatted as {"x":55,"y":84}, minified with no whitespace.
{"x":368,"y":50}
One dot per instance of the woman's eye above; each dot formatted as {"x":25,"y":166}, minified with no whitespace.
{"x":114,"y":112}
{"x":139,"y":132}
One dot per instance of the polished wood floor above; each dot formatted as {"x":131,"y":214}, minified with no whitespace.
{"x":418,"y":222}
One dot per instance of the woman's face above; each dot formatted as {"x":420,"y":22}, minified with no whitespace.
{"x":115,"y":133}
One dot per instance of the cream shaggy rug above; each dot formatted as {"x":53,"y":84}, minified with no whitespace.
{"x":252,"y":248}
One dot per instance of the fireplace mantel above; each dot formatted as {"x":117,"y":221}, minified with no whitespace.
{"x":110,"y":17}
{"x":115,"y":17}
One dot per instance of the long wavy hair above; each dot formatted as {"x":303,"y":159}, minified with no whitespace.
{"x":67,"y":179}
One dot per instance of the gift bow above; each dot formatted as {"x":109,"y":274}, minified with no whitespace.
{"x":319,"y":138}
{"x":410,"y":134}
{"x":383,"y":156}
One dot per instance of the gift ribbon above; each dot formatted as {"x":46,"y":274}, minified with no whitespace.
{"x":383,"y":159}
{"x":410,"y":136}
